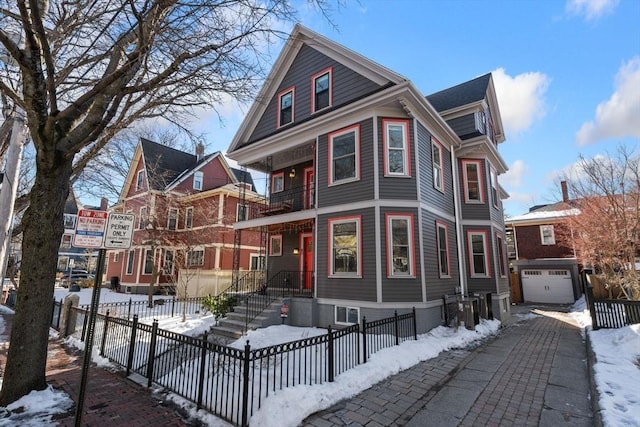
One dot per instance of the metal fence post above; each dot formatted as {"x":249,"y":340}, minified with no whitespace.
{"x":84,"y":324}
{"x":173,"y":304}
{"x":395,"y":322}
{"x":331,"y":357}
{"x":364,"y":339}
{"x":203,"y":364}
{"x":132,"y":343}
{"x":592,"y":308}
{"x":104,"y":334}
{"x":415,"y":325}
{"x":245,"y":385}
{"x":152,"y":352}
{"x":129,"y":310}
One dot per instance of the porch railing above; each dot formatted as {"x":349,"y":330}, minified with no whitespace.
{"x":281,"y":202}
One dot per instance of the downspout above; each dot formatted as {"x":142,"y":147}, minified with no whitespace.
{"x":458,"y":219}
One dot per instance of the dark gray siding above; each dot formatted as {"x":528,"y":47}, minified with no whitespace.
{"x":347,"y":86}
{"x":476,"y":211}
{"x":357,"y":289}
{"x":465,"y":126}
{"x":392,"y":187}
{"x":288,"y":261}
{"x":352,"y":191}
{"x":503,"y":282}
{"x":481,"y":284}
{"x":437,"y":286}
{"x":428,"y":193}
{"x":396,"y":289}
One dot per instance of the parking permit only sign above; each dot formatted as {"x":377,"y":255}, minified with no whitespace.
{"x":90,"y":228}
{"x":119,"y":231}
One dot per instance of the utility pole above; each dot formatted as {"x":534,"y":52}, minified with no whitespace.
{"x":9,"y":188}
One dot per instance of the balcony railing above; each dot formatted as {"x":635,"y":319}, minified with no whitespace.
{"x":285,"y":201}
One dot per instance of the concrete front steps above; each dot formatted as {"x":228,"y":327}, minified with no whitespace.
{"x":233,"y":326}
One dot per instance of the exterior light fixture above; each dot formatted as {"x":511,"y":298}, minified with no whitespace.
{"x":292,"y":173}
{"x":296,"y":251}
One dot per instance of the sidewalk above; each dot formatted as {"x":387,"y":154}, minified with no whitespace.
{"x":534,"y":373}
{"x":110,"y":398}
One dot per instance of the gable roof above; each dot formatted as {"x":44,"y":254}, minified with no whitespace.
{"x":465,"y":93}
{"x":164,"y":164}
{"x":299,"y":37}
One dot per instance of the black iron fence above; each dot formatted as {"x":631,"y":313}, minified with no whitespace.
{"x":232,"y":382}
{"x":160,"y":308}
{"x":611,"y":313}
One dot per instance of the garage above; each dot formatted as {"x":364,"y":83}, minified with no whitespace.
{"x":547,"y":286}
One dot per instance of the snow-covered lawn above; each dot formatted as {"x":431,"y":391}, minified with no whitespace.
{"x":617,"y":371}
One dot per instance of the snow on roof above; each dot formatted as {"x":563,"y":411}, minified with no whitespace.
{"x":542,"y":214}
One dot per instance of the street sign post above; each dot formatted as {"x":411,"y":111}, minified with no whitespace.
{"x":119,"y":232}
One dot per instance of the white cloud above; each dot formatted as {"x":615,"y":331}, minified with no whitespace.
{"x":521,"y":98}
{"x":591,"y":9}
{"x":619,"y":116}
{"x":513,"y":177}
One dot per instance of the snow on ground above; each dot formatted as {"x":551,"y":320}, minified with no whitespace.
{"x":617,"y":371}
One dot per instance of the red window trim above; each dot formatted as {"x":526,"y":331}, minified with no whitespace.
{"x":440,"y":224}
{"x":291,"y":89}
{"x":353,"y":128}
{"x":387,"y":221}
{"x":487,"y":262}
{"x":436,"y":142}
{"x":480,"y":181}
{"x":330,"y":221}
{"x":405,"y":124}
{"x":328,"y":70}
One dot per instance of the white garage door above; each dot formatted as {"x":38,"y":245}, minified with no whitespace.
{"x":547,"y":286}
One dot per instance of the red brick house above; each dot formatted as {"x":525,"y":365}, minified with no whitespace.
{"x":185,"y":206}
{"x":546,"y":268}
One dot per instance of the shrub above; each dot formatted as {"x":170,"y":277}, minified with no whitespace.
{"x":219,"y":305}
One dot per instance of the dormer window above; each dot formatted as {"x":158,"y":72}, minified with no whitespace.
{"x":197,"y":180}
{"x":140,"y":180}
{"x":321,"y":84}
{"x":285,"y":107}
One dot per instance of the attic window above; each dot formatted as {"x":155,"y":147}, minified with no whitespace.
{"x":140,"y":180}
{"x":321,"y":84}
{"x":197,"y":180}
{"x":285,"y":107}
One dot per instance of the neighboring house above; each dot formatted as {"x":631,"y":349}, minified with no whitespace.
{"x":547,"y":270}
{"x":185,"y":206}
{"x":379,"y":198}
{"x":70,"y":257}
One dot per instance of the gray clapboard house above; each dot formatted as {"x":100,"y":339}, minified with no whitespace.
{"x":379,"y":198}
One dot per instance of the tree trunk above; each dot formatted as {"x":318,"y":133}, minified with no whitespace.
{"x":43,"y":228}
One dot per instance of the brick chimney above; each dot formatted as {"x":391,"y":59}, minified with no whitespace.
{"x":565,"y":191}
{"x":199,"y":151}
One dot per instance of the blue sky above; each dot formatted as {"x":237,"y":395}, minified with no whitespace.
{"x":567,"y":73}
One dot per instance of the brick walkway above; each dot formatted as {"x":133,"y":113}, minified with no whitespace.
{"x":110,"y":398}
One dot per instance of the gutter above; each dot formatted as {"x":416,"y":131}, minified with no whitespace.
{"x":458,"y":219}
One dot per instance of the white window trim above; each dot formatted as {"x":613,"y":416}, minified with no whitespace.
{"x":347,"y":308}
{"x":404,"y":124}
{"x":355,"y":129}
{"x":494,"y":188}
{"x":165,"y":262}
{"x":198,"y":180}
{"x":500,"y":249}
{"x":188,"y":215}
{"x":443,"y":226}
{"x":144,"y":262}
{"x":279,"y":175}
{"x":553,"y":235}
{"x":143,"y":218}
{"x":169,"y":219}
{"x":315,"y":77}
{"x":275,"y":237}
{"x":291,"y":90}
{"x":116,"y":256}
{"x":188,"y":261}
{"x":411,"y":262}
{"x":140,"y":180}
{"x":246,"y":212}
{"x":255,"y":256}
{"x":438,"y":184}
{"x":485,"y":249}
{"x":478,"y":163}
{"x":358,"y":272}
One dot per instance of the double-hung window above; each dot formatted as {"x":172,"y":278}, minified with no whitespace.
{"x":241,"y":212}
{"x":479,"y":266}
{"x":396,"y":143}
{"x":130,"y":257}
{"x":344,"y":155}
{"x":197,"y":180}
{"x":438,"y":169}
{"x":275,"y":245}
{"x":321,"y":84}
{"x":148,"y":261}
{"x":172,"y":220}
{"x":472,"y":170}
{"x":277,"y":182}
{"x":285,"y":106}
{"x":167,"y":265}
{"x":442,"y":234}
{"x":401,"y":260}
{"x":494,"y":188}
{"x":188,"y":217}
{"x":547,"y":235}
{"x":344,"y":243}
{"x":140,"y":180}
{"x":502,"y":267}
{"x":142,"y":220}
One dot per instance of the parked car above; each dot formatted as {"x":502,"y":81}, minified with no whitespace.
{"x":75,"y":277}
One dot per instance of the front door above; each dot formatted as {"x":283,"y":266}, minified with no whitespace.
{"x":307,"y":261}
{"x":309,"y":188}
